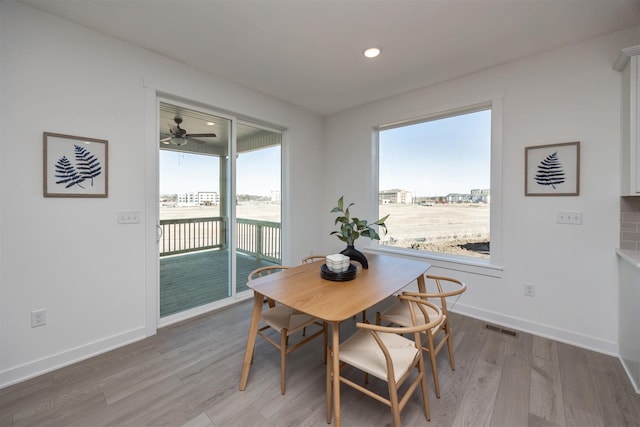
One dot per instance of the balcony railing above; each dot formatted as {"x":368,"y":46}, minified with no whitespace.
{"x":259,"y":239}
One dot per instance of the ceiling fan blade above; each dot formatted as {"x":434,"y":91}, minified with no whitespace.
{"x":201,"y":135}
{"x":165,"y":140}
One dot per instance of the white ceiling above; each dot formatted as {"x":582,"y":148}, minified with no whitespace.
{"x":308,"y":52}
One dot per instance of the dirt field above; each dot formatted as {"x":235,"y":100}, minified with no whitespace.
{"x":438,"y":228}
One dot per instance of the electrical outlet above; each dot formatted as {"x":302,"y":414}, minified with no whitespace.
{"x":529,"y":290}
{"x":38,"y":318}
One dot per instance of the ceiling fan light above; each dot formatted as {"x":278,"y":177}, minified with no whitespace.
{"x":178,"y":141}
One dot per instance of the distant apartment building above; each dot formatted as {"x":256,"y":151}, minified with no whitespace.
{"x":475,"y":196}
{"x":395,"y":196}
{"x":199,"y":198}
{"x":208,"y":198}
{"x":481,"y":196}
{"x":457,"y":198}
{"x":275,"y":196}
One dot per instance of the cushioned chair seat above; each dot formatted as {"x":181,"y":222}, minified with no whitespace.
{"x":388,"y":355}
{"x":440,"y":335}
{"x":399,"y":314}
{"x":282,"y":317}
{"x":363,"y":352}
{"x":284,"y":321}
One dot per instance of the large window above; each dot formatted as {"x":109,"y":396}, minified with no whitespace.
{"x":435,"y":181}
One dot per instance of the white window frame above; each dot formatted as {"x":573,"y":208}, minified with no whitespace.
{"x":491,"y":267}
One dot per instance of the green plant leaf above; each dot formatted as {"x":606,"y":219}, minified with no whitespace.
{"x":382,"y":220}
{"x":352,"y":228}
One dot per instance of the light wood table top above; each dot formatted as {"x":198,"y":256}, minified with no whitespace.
{"x":303,"y":289}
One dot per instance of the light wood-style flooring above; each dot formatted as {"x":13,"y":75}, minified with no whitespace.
{"x":188,"y":375}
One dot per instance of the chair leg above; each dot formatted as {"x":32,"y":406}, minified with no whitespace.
{"x":393,"y":399}
{"x":283,"y":358}
{"x":423,"y":386}
{"x":447,"y":332}
{"x":329,"y":386}
{"x":434,"y":366}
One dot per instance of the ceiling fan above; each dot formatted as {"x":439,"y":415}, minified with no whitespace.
{"x":180,"y":136}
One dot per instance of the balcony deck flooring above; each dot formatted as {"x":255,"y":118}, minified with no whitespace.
{"x":193,"y":279}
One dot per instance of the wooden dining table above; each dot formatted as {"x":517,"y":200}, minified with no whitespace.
{"x":303,"y":289}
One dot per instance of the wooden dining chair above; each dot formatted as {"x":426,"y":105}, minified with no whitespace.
{"x":382,"y":352}
{"x":286,"y":321}
{"x":439,"y":335}
{"x":313,"y":258}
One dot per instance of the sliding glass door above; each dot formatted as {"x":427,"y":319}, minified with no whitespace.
{"x":258,"y":213}
{"x":208,"y":229}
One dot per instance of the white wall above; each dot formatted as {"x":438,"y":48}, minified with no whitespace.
{"x":69,"y":256}
{"x":569,"y":94}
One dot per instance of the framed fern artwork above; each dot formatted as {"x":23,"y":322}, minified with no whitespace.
{"x":75,"y":166}
{"x":552,"y":170}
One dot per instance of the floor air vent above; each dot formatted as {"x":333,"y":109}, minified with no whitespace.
{"x":501,"y":330}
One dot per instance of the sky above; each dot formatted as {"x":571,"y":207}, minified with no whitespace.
{"x":258,"y":172}
{"x":435,"y":158}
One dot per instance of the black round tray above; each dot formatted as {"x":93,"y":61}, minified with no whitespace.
{"x":344,"y":276}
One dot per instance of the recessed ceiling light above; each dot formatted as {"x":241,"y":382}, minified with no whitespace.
{"x":372,"y":52}
{"x":210,"y":123}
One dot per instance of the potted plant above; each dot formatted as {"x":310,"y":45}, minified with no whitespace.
{"x":352,"y":228}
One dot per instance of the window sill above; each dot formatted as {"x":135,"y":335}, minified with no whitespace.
{"x":448,"y":262}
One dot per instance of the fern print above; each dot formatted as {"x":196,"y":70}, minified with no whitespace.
{"x":87,"y":164}
{"x":68,"y":174}
{"x":550,"y":171}
{"x":87,"y":167}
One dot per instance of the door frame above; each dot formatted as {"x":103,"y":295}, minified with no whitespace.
{"x":153,"y":97}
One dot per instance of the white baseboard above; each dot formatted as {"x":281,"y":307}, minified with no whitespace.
{"x":635,"y":385}
{"x":556,"y":334}
{"x":47,"y":364}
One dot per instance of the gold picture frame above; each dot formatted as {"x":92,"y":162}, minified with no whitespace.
{"x":552,"y":170}
{"x":75,"y":166}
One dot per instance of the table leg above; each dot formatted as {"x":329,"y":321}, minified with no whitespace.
{"x":335,"y":329}
{"x":422,"y":287}
{"x":251,"y":339}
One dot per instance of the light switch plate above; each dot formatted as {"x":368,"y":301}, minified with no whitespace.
{"x":574,"y":218}
{"x":128,"y":217}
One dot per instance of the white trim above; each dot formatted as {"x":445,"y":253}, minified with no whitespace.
{"x":444,"y":261}
{"x":623,"y":57}
{"x":152,"y":267}
{"x":539,"y":329}
{"x":495,"y":227}
{"x":493,"y":102}
{"x":51,"y":363}
{"x":636,"y":386}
